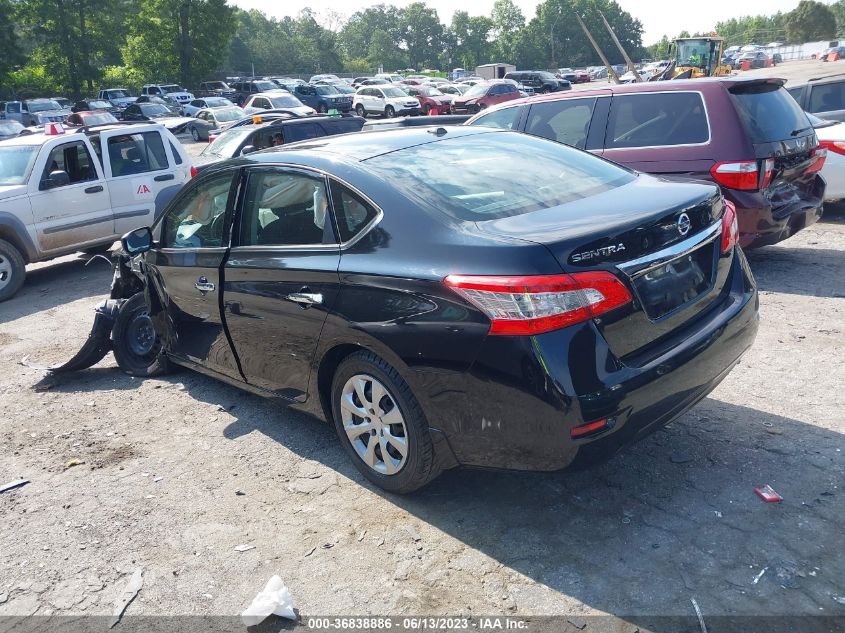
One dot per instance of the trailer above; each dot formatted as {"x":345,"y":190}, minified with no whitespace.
{"x":494,"y":71}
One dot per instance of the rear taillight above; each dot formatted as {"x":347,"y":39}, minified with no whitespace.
{"x":743,"y":174}
{"x":540,"y":303}
{"x":819,"y":155}
{"x":837,"y":147}
{"x":194,"y":171}
{"x":767,"y":172}
{"x":730,"y":228}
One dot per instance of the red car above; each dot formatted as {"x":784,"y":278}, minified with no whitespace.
{"x":431,"y":99}
{"x":483,"y":95}
{"x":747,"y":135}
{"x":582,"y":77}
{"x":97,"y":117}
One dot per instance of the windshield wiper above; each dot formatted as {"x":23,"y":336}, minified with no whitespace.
{"x":797,"y":132}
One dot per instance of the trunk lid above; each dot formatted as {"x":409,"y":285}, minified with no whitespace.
{"x":661,"y":238}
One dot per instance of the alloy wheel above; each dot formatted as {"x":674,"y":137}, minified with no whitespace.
{"x":374,"y":424}
{"x":5,"y":272}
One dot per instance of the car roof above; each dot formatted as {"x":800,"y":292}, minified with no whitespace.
{"x":362,"y":146}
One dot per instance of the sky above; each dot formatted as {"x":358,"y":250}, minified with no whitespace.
{"x":658,"y":17}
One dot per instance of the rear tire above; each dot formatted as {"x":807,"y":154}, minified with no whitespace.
{"x":426,"y":109}
{"x":12,"y":270}
{"x":389,"y":112}
{"x":195,"y":133}
{"x":360,"y":111}
{"x":137,"y":347}
{"x":369,"y":386}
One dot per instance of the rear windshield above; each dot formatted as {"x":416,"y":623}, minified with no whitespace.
{"x":482,"y":177}
{"x":226,"y":144}
{"x":769,"y":112}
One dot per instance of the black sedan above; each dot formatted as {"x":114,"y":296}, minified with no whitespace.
{"x":414,"y":288}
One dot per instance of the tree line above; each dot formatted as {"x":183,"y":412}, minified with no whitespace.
{"x":75,"y":46}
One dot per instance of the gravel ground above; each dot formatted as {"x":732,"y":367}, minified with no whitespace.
{"x":177,"y":472}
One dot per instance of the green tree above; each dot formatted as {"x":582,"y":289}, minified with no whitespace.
{"x":383,"y":52}
{"x":810,"y":21}
{"x":508,"y":21}
{"x":356,"y":34}
{"x":468,"y":40}
{"x":11,"y":55}
{"x":422,"y":35}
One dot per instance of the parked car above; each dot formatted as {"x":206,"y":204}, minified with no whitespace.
{"x":10,"y":129}
{"x":35,"y":112}
{"x":394,"y":78}
{"x":68,"y":192}
{"x":379,"y":125}
{"x":823,"y":97}
{"x":212,"y":119}
{"x":540,"y":81}
{"x":174,"y":107}
{"x":330,"y":78}
{"x":754,"y":59}
{"x":64,"y":102}
{"x":431,"y":99}
{"x":746,"y":135}
{"x":323,"y":97}
{"x":831,"y":135}
{"x":215,"y":89}
{"x":274,"y":101}
{"x":191,"y":108}
{"x":92,"y":105}
{"x":386,"y":101}
{"x":456,"y":90}
{"x":95,"y":117}
{"x":246,"y":89}
{"x":568,"y":74}
{"x":834,"y":54}
{"x":253,"y":136}
{"x":118,"y":97}
{"x":484,"y":95}
{"x":344,"y":89}
{"x":175,"y":93}
{"x":156,"y":112}
{"x":581,"y":77}
{"x":432,"y":256}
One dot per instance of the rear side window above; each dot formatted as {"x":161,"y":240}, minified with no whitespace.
{"x":352,"y":211}
{"x":769,"y":113}
{"x":503,"y":119}
{"x":565,"y":121}
{"x":302,"y":131}
{"x":176,"y":156}
{"x":658,"y":119}
{"x":827,"y":97}
{"x":136,"y":153}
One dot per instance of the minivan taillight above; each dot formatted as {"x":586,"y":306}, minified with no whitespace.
{"x":819,"y":156}
{"x":535,"y":304}
{"x":743,"y":174}
{"x":730,"y":228}
{"x":837,"y":147}
{"x":768,"y":172}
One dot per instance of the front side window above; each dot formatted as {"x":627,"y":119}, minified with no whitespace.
{"x":136,"y":153}
{"x":197,"y":219}
{"x":284,"y":208}
{"x":503,"y":119}
{"x":659,"y":119}
{"x":353,"y":212}
{"x":74,"y":159}
{"x":565,"y":121}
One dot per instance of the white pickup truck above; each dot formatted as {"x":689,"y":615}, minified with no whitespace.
{"x":63,"y":190}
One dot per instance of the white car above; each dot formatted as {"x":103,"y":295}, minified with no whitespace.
{"x":832,"y":137}
{"x":192,"y":107}
{"x":174,"y":93}
{"x":388,"y":101}
{"x":216,"y":119}
{"x":278,"y":100}
{"x":62,"y":192}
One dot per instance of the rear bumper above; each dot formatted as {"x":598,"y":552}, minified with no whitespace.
{"x":516,"y":406}
{"x":761,"y":224}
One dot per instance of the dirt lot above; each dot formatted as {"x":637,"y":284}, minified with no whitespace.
{"x":179,"y":471}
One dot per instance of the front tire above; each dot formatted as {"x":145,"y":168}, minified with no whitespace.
{"x":381,"y":424}
{"x":12,"y":270}
{"x":360,"y":111}
{"x":195,"y":133}
{"x":389,"y":112}
{"x":137,"y":346}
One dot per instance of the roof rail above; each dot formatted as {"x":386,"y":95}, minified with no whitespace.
{"x":89,"y":128}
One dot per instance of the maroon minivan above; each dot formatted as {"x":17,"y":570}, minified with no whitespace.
{"x":747,"y":135}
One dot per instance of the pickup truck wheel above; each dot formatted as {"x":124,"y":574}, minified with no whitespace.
{"x":359,"y":110}
{"x":381,"y":424}
{"x":195,"y":133}
{"x":12,"y":270}
{"x":137,"y":346}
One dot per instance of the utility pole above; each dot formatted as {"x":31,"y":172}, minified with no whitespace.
{"x":611,"y":73}
{"x":552,"y":38}
{"x":627,"y":59}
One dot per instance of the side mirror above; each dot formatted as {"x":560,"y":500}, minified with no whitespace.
{"x":56,"y":178}
{"x":248,"y":149}
{"x":137,"y":241}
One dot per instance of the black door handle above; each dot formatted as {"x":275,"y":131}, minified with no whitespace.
{"x":94,"y":189}
{"x":164,"y":177}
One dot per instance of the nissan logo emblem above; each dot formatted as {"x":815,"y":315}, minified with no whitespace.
{"x":684,"y":224}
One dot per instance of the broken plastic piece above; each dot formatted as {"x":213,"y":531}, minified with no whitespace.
{"x":132,"y":588}
{"x":273,"y":599}
{"x":244,"y":548}
{"x":14,"y":484}
{"x":767,"y":494}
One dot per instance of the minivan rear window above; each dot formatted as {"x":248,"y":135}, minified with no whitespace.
{"x":482,"y":176}
{"x":657,"y":119}
{"x":768,"y":112}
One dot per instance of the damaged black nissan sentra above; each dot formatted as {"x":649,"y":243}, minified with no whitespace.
{"x":444,"y":296}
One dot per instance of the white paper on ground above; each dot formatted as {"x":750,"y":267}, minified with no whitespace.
{"x":273,"y":599}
